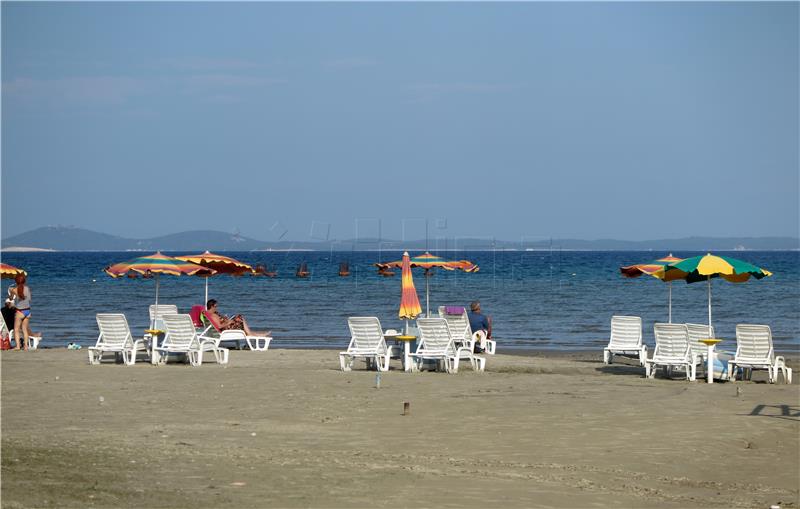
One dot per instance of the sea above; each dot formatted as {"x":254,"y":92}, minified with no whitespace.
{"x":538,"y":300}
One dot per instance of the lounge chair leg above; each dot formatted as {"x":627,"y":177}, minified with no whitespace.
{"x":607,"y":357}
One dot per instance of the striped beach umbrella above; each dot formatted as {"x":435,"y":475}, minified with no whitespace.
{"x":650,"y":268}
{"x":10,"y":272}
{"x":153,"y":266}
{"x":429,"y":262}
{"x":409,"y":301}
{"x":220,"y":263}
{"x":707,"y":267}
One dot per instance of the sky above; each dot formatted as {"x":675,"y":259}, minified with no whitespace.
{"x":326,"y":121}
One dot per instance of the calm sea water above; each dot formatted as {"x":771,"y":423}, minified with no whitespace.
{"x":540,"y":299}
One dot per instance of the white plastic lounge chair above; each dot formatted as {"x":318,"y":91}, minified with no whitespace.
{"x":754,"y":351}
{"x":459,"y":322}
{"x":115,"y":336}
{"x":437,"y":343}
{"x":255,"y":343}
{"x":182,"y":338}
{"x":366,"y":341}
{"x":626,"y":339}
{"x":5,"y":331}
{"x":163,"y":309}
{"x":672,"y":350}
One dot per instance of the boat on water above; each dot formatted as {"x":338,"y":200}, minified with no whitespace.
{"x":263,"y":270}
{"x":385,"y":272}
{"x":302,"y":270}
{"x":344,"y":269}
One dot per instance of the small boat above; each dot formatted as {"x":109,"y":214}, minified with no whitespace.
{"x":302,"y":270}
{"x":262,"y":270}
{"x":385,"y":272}
{"x":344,"y":269}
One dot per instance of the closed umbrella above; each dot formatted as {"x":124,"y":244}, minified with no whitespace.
{"x":220,"y":263}
{"x":153,"y":266}
{"x":632,"y":271}
{"x":409,"y":301}
{"x":429,"y":262}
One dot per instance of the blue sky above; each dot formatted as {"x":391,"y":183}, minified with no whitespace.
{"x":515,"y":120}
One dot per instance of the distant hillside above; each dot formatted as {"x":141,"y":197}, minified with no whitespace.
{"x":60,"y":238}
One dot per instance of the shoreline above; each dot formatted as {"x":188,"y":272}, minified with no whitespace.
{"x":287,"y":428}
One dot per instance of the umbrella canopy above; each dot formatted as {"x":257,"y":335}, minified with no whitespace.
{"x":428,"y":261}
{"x":702,"y":268}
{"x":409,"y":302}
{"x":10,"y":272}
{"x":155,"y":265}
{"x":220,"y":263}
{"x":707,"y":267}
{"x":650,"y":268}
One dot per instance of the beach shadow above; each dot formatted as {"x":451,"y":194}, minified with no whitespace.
{"x":788,"y":412}
{"x":622,"y":369}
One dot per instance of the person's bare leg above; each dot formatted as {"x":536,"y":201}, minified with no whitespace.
{"x":18,"y":330}
{"x":26,"y":328}
{"x":253,"y":332}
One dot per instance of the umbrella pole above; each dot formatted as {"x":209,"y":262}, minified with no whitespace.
{"x":710,"y":354}
{"x":427,"y":294}
{"x":709,"y":304}
{"x":205,"y":301}
{"x":669,"y":285}
{"x":153,"y":336}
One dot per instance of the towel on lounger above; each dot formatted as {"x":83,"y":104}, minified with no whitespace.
{"x":454,"y":310}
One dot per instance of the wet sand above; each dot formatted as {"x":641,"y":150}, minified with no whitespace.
{"x":286,"y":428}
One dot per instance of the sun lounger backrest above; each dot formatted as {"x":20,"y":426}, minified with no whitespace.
{"x":458,"y":323}
{"x":163,"y":309}
{"x":435,"y":335}
{"x":696,"y":333}
{"x":672,"y":339}
{"x":211,"y":320}
{"x":626,"y":332}
{"x":754,"y":341}
{"x":366,"y":333}
{"x":114,"y":330}
{"x":180,"y":331}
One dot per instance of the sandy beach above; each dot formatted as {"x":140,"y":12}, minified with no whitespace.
{"x":286,"y":428}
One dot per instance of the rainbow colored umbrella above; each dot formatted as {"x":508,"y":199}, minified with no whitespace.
{"x":409,"y":301}
{"x":220,"y":263}
{"x":155,"y":265}
{"x":428,"y":262}
{"x":632,"y":271}
{"x":10,"y":272}
{"x":707,"y":267}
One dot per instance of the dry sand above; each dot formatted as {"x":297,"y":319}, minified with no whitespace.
{"x":286,"y":428}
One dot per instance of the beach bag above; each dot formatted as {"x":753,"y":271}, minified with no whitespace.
{"x":5,"y":342}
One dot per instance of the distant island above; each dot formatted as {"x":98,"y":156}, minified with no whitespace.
{"x":63,"y":238}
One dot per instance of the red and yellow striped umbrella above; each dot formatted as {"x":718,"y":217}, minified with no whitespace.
{"x":222,"y":264}
{"x":10,"y":272}
{"x":409,"y":301}
{"x":651,"y":268}
{"x":428,"y":262}
{"x":155,"y":264}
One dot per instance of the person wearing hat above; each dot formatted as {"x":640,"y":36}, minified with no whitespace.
{"x":479,"y":322}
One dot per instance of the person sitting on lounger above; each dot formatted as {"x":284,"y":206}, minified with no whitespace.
{"x":479,"y":322}
{"x":236,"y":322}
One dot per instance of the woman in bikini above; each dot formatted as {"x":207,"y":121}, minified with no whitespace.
{"x":22,"y":316}
{"x":233,"y":323}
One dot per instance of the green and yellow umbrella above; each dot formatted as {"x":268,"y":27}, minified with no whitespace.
{"x":632,"y":271}
{"x":707,"y":267}
{"x":220,"y":263}
{"x":428,"y":262}
{"x":10,"y":272}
